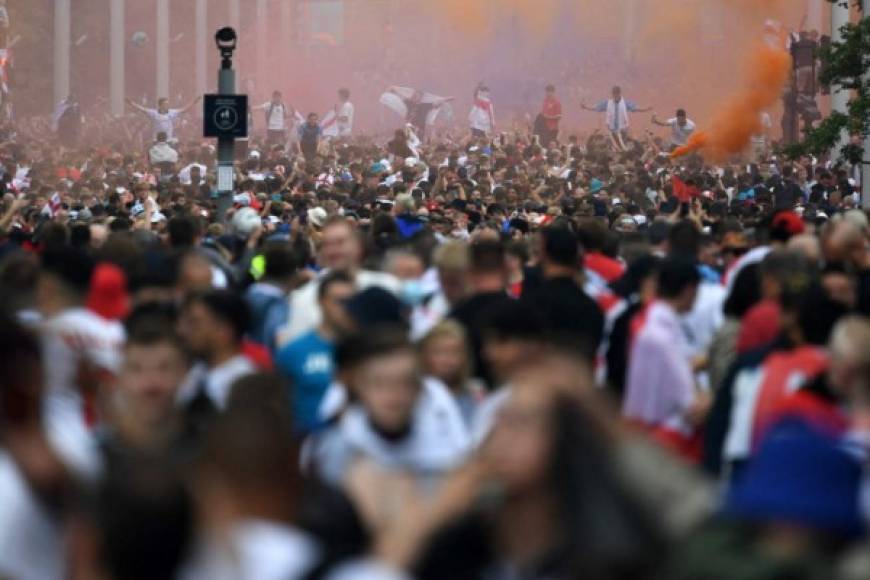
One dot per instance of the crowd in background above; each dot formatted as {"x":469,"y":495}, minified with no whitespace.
{"x":493,"y":356}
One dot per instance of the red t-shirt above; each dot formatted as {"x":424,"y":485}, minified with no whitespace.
{"x":784,"y":373}
{"x":552,"y":108}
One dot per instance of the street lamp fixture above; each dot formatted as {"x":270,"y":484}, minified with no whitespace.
{"x":226,"y":40}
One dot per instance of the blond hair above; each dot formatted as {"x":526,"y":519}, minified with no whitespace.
{"x":448,"y":329}
{"x":451,"y":256}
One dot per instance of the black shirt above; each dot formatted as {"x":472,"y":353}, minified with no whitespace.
{"x":472,"y":313}
{"x":417,"y":113}
{"x":568,"y":312}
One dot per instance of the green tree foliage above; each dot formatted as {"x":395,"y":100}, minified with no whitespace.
{"x":844,"y":65}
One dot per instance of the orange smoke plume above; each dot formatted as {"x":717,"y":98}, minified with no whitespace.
{"x":739,"y":119}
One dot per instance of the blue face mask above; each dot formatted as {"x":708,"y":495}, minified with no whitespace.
{"x":412,"y":292}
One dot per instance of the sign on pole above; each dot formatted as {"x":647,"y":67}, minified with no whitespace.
{"x":225,"y":116}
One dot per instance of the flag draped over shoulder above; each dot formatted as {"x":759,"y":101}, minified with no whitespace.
{"x":482,"y":115}
{"x":329,"y":124}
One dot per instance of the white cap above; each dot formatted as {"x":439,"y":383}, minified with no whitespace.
{"x":317,"y":216}
{"x":245,"y":221}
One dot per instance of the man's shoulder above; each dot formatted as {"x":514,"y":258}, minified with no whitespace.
{"x":473,"y":305}
{"x":366,"y":278}
{"x":303,"y":343}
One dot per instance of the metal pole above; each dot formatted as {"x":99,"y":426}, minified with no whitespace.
{"x":202,"y":38}
{"x":839,"y":96}
{"x":62,"y":34}
{"x":226,"y":146}
{"x":117,"y":57}
{"x":162,"y":49}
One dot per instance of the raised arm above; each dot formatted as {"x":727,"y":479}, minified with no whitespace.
{"x":190,"y":105}
{"x":137,"y":106}
{"x":658,"y":122}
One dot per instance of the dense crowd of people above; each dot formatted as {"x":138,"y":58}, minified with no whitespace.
{"x":517,"y":355}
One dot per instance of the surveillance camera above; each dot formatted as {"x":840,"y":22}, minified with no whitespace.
{"x":226,"y":41}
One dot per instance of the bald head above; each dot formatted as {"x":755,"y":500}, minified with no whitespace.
{"x":845,"y":243}
{"x":808,"y":245}
{"x":850,"y":355}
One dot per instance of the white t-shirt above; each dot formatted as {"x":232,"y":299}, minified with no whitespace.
{"x":345,"y":128}
{"x":164,"y":122}
{"x":766,"y":125}
{"x":30,"y":539}
{"x":184,"y":174}
{"x":162,"y":153}
{"x":276,"y":114}
{"x":218,"y":381}
{"x":68,"y":338}
{"x":680,"y":135}
{"x":257,"y":549}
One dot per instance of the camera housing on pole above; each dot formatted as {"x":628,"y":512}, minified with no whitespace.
{"x":225,"y":116}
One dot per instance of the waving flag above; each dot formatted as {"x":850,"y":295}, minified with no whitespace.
{"x":395,"y":101}
{"x":54,"y":204}
{"x":683,"y":191}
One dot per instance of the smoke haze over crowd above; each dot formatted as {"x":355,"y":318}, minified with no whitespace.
{"x":665,"y":53}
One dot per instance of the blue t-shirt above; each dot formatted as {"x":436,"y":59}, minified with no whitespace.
{"x":308,"y":363}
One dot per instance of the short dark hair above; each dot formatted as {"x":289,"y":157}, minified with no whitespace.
{"x":550,"y":88}
{"x":592,"y":234}
{"x":334,"y":277}
{"x":513,"y":320}
{"x":281,"y":262}
{"x":486,"y":256}
{"x":120,"y":224}
{"x":72,"y":266}
{"x":344,"y":93}
{"x":561,"y":246}
{"x":375,"y":342}
{"x":225,"y":305}
{"x":681,"y":112}
{"x":684,"y":239}
{"x":183,"y":231}
{"x":675,"y":275}
{"x":152,"y":324}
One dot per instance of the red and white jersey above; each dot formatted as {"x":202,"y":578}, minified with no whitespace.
{"x":482,"y":116}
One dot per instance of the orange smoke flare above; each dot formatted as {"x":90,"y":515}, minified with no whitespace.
{"x":739,"y":119}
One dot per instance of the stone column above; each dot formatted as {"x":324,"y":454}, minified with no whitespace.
{"x":162,"y":43}
{"x":117,"y":51}
{"x":62,"y":47}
